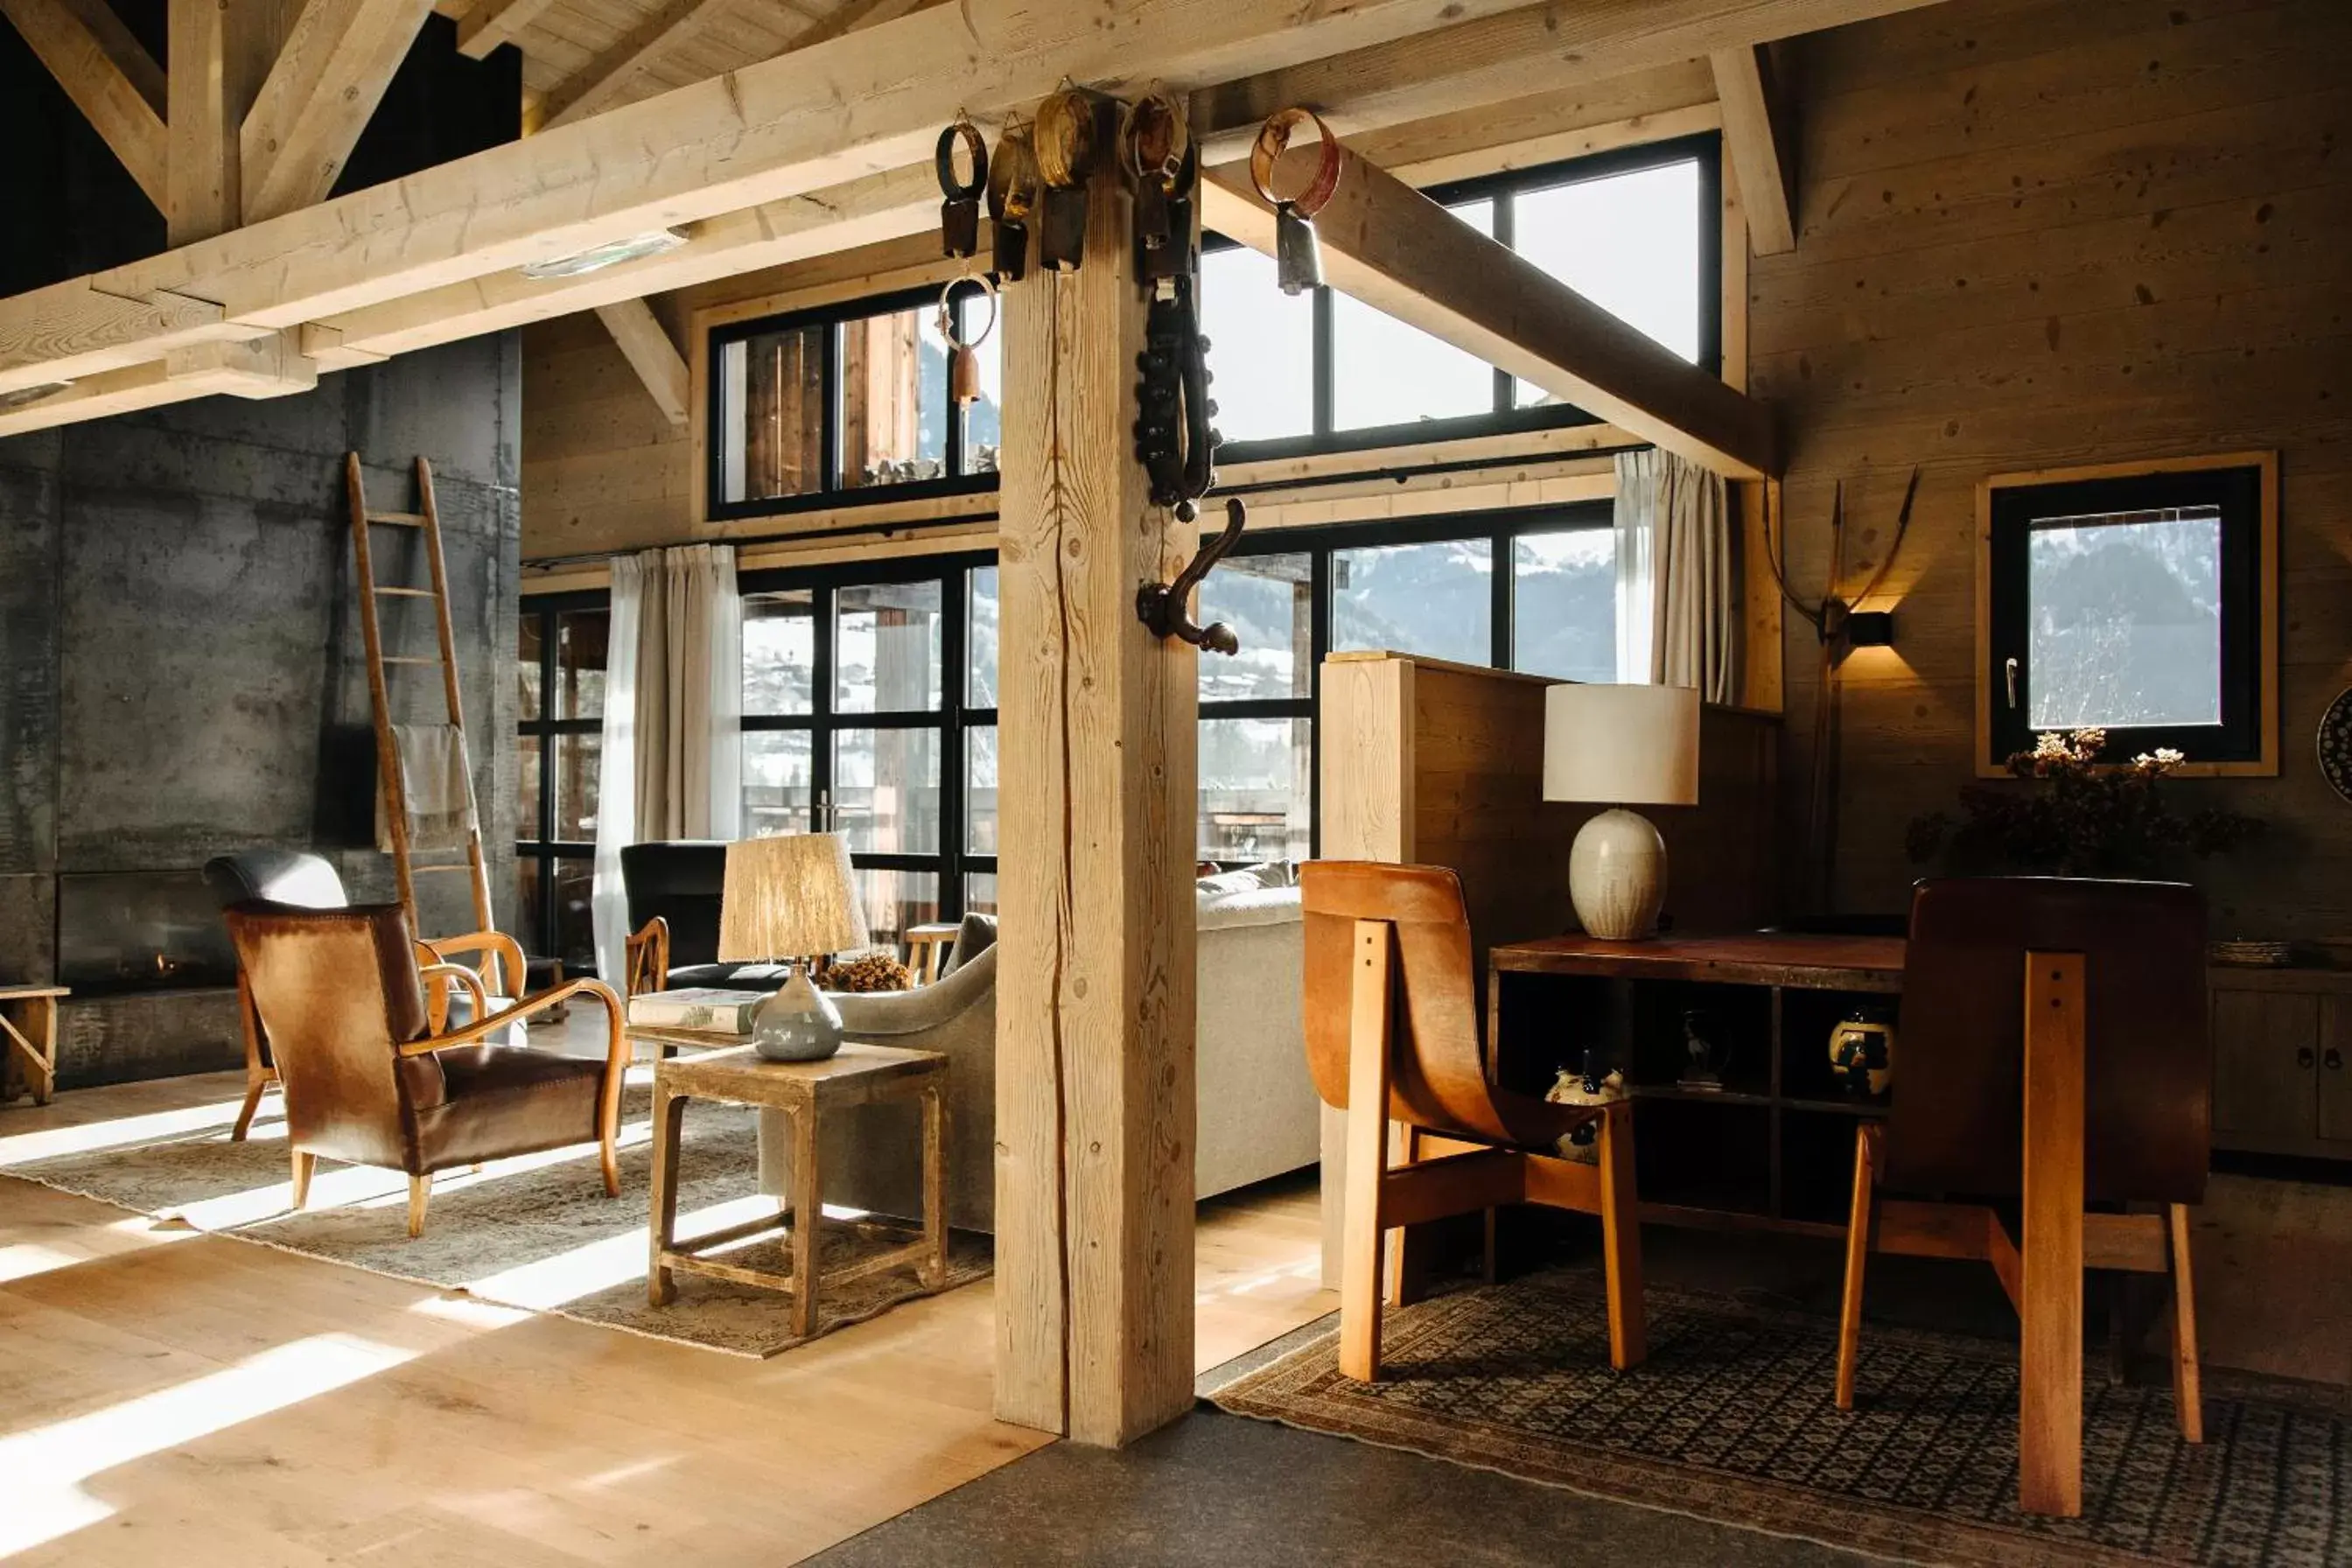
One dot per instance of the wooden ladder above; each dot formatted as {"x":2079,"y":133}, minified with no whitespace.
{"x":395,"y":800}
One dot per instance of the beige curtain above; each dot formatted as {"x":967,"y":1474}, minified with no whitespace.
{"x":689,"y":745}
{"x":1677,"y":619}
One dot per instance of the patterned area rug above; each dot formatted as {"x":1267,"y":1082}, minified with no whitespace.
{"x":535,"y":1232}
{"x":1731,"y":1419}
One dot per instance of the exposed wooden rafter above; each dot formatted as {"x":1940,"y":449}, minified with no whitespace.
{"x":114,"y":81}
{"x":495,"y":22}
{"x":806,"y":125}
{"x":339,"y":57}
{"x":1388,"y":244}
{"x":647,"y":348}
{"x":1757,"y":139}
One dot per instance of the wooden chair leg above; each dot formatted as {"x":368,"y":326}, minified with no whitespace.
{"x":2050,"y":1304}
{"x":2187,"y":1389}
{"x":256,"y":1071}
{"x":1367,"y":1159}
{"x":304,"y":1163}
{"x":420,"y":1193}
{"x":256,"y":1086}
{"x":1621,"y":1240}
{"x":1857,"y":1258}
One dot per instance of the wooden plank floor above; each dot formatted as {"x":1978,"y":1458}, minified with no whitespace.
{"x":167,"y":1397}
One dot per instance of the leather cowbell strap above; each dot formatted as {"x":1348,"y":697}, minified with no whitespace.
{"x":1957,"y":1124}
{"x":1438,"y":1078}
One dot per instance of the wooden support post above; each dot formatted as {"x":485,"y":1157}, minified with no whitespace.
{"x":1095,"y":1016}
{"x":1361,"y":1295}
{"x":2049,"y":1300}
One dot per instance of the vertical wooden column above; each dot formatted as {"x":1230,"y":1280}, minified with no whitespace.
{"x":2050,"y":1311}
{"x":1096,"y":1097}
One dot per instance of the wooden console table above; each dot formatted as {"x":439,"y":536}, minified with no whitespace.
{"x":859,"y":1075}
{"x":28,"y":1042}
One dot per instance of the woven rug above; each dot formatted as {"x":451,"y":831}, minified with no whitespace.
{"x":1731,"y":1419}
{"x":535,"y":1232}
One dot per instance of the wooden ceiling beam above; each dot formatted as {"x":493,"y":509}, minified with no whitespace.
{"x":1755,"y":138}
{"x":1386,"y":244}
{"x":647,"y":348}
{"x":817,"y":118}
{"x":114,"y":82}
{"x":338,"y":60}
{"x":494,"y":22}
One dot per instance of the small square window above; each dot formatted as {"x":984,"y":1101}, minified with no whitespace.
{"x":2132,"y":603}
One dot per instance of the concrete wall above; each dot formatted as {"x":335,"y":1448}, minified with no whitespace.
{"x":180,"y":669}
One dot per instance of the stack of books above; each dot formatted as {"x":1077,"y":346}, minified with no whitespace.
{"x":703,"y":1008}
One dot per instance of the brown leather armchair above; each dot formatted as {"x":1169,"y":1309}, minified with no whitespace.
{"x":1393,"y":1016}
{"x":372,"y":1077}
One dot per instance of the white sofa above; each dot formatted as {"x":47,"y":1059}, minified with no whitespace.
{"x":1259,"y":1116}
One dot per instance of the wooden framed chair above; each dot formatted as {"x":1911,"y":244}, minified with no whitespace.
{"x":2055,"y":1066}
{"x":374,"y":1075}
{"x":1392,"y":1034}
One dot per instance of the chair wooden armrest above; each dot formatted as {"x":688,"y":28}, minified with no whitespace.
{"x":647,"y":963}
{"x":507,"y":952}
{"x":436,"y":995}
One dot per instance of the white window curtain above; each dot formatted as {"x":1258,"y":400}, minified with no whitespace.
{"x":672,"y":763}
{"x":616,"y":778}
{"x":1677,"y":620}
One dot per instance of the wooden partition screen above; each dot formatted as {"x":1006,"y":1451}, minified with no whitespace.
{"x":1430,"y":763}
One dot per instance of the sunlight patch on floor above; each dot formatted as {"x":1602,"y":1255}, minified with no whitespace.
{"x":49,"y":1142}
{"x":45,"y":1467}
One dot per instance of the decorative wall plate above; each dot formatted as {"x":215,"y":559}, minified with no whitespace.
{"x":2335,"y":744}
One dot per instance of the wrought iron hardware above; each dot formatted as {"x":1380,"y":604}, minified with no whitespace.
{"x":1164,"y":607}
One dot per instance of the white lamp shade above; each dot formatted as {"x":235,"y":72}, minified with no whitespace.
{"x":792,"y":897}
{"x":1621,"y":745}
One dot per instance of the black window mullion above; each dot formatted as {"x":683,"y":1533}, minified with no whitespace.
{"x":821,"y":694}
{"x":1505,"y":234}
{"x":1319,"y":613}
{"x":1502,"y":606}
{"x":955,"y":602}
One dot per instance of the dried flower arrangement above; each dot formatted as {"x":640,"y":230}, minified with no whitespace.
{"x":2085,"y":821}
{"x":871,"y":971}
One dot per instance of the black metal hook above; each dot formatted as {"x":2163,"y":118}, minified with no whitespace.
{"x":1163,"y":606}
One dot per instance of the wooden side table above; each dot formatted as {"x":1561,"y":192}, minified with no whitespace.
{"x":927,"y":949}
{"x":859,"y":1075}
{"x":31,"y":1036}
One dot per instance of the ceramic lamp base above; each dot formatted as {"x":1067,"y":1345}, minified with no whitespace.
{"x":798,"y":1023}
{"x":1617,"y":876}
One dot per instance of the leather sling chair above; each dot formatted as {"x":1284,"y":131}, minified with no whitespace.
{"x":372,"y":1074}
{"x":2109,"y":1093}
{"x":303,"y":880}
{"x":1392,"y":1034}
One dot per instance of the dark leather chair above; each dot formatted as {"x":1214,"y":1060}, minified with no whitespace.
{"x":369,"y":1076}
{"x":1392,"y":1034}
{"x":296,"y":879}
{"x":1959,"y":1121}
{"x":673,"y":887}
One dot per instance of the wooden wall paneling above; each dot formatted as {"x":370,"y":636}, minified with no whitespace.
{"x":1095,"y":1012}
{"x":2034,"y":235}
{"x":647,"y":347}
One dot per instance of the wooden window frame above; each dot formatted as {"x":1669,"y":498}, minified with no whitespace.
{"x":1990,"y":654}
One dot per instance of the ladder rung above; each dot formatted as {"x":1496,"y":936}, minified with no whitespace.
{"x":406,"y":658}
{"x":408,"y":593}
{"x":420,"y":870}
{"x":397,"y":518}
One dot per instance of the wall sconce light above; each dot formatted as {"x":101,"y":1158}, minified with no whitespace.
{"x":1870,"y":628}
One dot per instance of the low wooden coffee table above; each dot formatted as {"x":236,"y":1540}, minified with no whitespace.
{"x":859,"y":1075}
{"x":31,"y":1036}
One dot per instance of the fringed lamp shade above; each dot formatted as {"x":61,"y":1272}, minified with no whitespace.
{"x":789,"y":897}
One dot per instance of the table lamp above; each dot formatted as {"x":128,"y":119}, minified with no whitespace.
{"x":1619,"y":746}
{"x":791,"y":899}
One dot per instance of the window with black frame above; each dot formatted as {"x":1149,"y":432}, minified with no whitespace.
{"x":813,"y":408}
{"x":559,"y":697}
{"x":1638,"y":232}
{"x":1433,"y":588}
{"x":2132,"y":603}
{"x":849,"y":402}
{"x":869,"y":710}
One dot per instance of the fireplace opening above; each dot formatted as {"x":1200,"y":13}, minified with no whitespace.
{"x":122,"y":931}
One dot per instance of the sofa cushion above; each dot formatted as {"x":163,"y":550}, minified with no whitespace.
{"x":975,"y":936}
{"x":1250,"y":907}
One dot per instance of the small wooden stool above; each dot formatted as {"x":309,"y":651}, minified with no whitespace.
{"x":31,"y":1036}
{"x":859,"y":1075}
